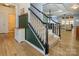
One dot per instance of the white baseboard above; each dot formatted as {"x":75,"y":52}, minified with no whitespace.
{"x":35,"y":47}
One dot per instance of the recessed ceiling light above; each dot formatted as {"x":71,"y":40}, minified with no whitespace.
{"x":60,"y":11}
{"x":7,"y":4}
{"x":75,"y":6}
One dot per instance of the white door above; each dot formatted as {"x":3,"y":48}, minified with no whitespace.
{"x":3,"y":23}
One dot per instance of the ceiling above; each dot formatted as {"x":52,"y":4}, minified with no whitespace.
{"x":61,"y":8}
{"x":10,"y":5}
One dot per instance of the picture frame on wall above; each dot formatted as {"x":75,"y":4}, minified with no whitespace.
{"x":22,"y":11}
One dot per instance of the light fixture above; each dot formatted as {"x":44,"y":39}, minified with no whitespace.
{"x":59,"y":11}
{"x":7,"y":4}
{"x":75,"y":6}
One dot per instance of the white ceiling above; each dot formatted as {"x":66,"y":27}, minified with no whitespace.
{"x":60,"y":8}
{"x":10,"y":5}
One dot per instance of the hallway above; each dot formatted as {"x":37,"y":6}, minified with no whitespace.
{"x":68,"y":45}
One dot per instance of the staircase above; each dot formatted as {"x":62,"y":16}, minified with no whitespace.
{"x":45,"y":36}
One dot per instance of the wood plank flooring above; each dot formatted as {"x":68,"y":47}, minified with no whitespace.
{"x":67,"y":46}
{"x":9,"y":47}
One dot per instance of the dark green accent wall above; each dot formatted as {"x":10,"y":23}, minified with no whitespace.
{"x":31,"y":38}
{"x":23,"y":21}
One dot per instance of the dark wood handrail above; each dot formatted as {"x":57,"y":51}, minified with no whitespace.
{"x":47,"y":17}
{"x":44,"y":13}
{"x":37,"y":17}
{"x":46,"y":45}
{"x":39,"y":10}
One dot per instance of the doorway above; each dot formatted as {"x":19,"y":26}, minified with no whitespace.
{"x":7,"y":21}
{"x":11,"y":22}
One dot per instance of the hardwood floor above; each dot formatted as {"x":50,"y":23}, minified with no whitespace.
{"x":9,"y":47}
{"x":67,"y":46}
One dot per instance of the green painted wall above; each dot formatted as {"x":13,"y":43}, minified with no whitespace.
{"x":31,"y":38}
{"x":23,"y":21}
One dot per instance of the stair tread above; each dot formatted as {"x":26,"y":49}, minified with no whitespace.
{"x":52,"y":40}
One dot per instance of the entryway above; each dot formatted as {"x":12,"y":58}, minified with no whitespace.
{"x":7,"y":20}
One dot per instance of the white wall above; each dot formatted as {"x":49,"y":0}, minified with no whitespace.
{"x":23,"y":5}
{"x":20,"y":32}
{"x":19,"y":6}
{"x":76,"y":21}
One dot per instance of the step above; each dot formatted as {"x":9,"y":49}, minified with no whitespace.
{"x":52,"y":39}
